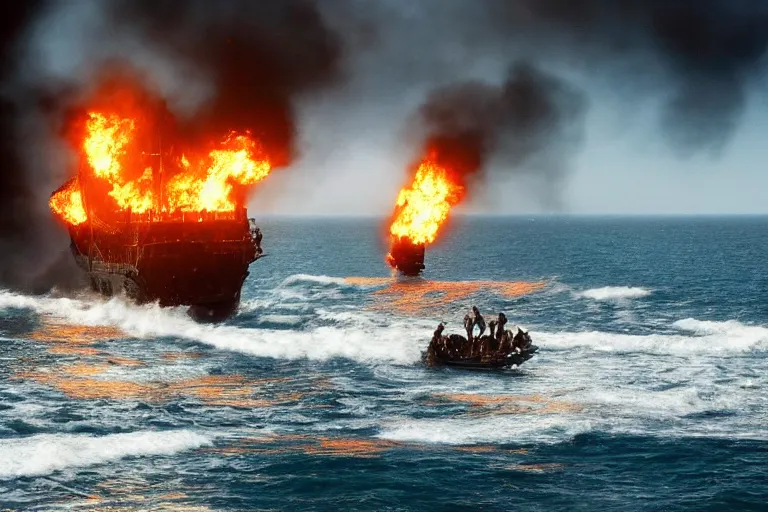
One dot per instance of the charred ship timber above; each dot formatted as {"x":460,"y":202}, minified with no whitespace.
{"x":196,"y":259}
{"x":406,"y":256}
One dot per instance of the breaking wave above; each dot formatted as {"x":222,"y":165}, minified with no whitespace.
{"x":357,"y":336}
{"x":369,"y":338}
{"x":611,"y":293}
{"x":308,"y":278}
{"x":507,"y":429}
{"x":45,"y":453}
{"x":729,"y":327}
{"x":713,"y":338}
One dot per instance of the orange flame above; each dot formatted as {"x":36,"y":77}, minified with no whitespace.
{"x":105,"y":143}
{"x":237,"y":163}
{"x":67,"y":203}
{"x":423,"y":206}
{"x":207,"y":184}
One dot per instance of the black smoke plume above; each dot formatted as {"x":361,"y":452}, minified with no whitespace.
{"x":532,"y":121}
{"x":218,"y":66}
{"x":22,"y":220}
{"x":699,"y":57}
{"x":697,"y":60}
{"x":258,"y":56}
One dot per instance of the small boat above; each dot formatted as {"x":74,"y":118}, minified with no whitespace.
{"x":515,"y":353}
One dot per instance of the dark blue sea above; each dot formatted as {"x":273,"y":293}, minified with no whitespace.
{"x":650,"y":390}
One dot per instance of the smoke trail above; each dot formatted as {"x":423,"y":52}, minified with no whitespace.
{"x":531,"y":122}
{"x":699,"y":57}
{"x":24,"y":220}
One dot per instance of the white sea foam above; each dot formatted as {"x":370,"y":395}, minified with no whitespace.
{"x":510,"y":428}
{"x":714,"y":338}
{"x":365,"y":337}
{"x":361,"y":338}
{"x":729,"y":327}
{"x":615,"y":293}
{"x":308,"y":278}
{"x":289,"y":320}
{"x":45,"y":453}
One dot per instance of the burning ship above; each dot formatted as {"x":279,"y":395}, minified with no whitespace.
{"x":421,"y":209}
{"x":160,"y":223}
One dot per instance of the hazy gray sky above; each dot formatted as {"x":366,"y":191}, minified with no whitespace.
{"x":355,"y":161}
{"x":356,"y":150}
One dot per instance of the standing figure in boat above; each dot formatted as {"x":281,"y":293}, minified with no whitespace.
{"x":487,"y":344}
{"x":479,"y":321}
{"x":472,"y":319}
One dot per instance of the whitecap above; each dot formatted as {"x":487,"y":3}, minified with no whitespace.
{"x":309,"y":278}
{"x":362,"y":337}
{"x":45,"y":453}
{"x":614,"y":293}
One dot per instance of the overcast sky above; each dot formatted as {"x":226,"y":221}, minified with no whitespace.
{"x":355,"y":160}
{"x":356,"y":151}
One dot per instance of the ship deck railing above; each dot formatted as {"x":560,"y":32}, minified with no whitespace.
{"x":129,"y":217}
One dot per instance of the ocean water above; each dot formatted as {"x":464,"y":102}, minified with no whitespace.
{"x":649,"y":391}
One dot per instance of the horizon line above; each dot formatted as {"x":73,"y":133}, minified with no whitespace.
{"x":514,"y":215}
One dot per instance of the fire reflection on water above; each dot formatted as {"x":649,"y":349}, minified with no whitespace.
{"x":276,"y":444}
{"x":486,"y":405}
{"x":135,"y":493}
{"x":416,"y":297}
{"x":89,"y":376}
{"x":51,"y":332}
{"x":89,"y":381}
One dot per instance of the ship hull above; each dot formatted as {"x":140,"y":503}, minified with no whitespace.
{"x":407,"y":257}
{"x":197,"y":264}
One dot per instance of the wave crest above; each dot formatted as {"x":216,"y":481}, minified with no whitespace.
{"x":45,"y":453}
{"x":609,"y":293}
{"x":309,"y":278}
{"x":713,"y":338}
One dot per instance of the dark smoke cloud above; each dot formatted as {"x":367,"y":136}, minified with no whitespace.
{"x":532,"y":121}
{"x":700,"y":56}
{"x":218,"y":66}
{"x":258,"y":56}
{"x":23,"y":220}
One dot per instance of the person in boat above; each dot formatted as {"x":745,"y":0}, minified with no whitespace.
{"x":521,"y":340}
{"x":500,"y":324}
{"x":486,"y":343}
{"x":502,"y":335}
{"x":479,"y":321}
{"x":463,"y":347}
{"x":438,"y":343}
{"x":469,"y":326}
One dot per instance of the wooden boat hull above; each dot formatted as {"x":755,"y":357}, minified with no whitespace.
{"x":476,"y":363}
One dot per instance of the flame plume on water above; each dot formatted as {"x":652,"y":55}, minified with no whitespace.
{"x":424,"y":205}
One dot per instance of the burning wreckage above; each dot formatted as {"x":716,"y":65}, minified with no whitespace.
{"x":421,"y":209}
{"x":162,"y":224}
